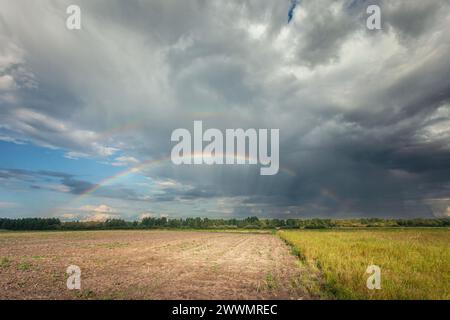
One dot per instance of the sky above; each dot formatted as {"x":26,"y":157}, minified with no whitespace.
{"x":86,"y":115}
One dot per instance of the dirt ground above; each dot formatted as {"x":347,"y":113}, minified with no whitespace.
{"x":148,"y":265}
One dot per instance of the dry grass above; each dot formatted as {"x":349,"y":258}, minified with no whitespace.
{"x":415,"y":263}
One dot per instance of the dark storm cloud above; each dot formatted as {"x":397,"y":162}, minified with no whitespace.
{"x":77,"y":186}
{"x":324,"y":30}
{"x":67,"y":183}
{"x":364,"y":116}
{"x":198,"y":193}
{"x":42,"y":176}
{"x":14,"y":174}
{"x":412,"y":20}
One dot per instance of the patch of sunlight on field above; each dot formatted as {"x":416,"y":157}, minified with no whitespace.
{"x":415,"y":263}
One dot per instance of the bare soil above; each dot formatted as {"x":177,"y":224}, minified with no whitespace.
{"x":148,"y":265}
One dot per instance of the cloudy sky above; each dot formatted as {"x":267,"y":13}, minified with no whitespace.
{"x":86,"y":115}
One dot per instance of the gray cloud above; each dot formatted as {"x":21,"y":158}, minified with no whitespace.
{"x":363,"y":116}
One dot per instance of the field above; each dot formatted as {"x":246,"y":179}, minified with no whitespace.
{"x":141,"y":264}
{"x":415,"y":263}
{"x":148,"y":265}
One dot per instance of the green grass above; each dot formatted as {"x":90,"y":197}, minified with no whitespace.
{"x":5,"y":263}
{"x":415,"y":263}
{"x":113,"y":245}
{"x":271,"y":282}
{"x":24,"y":266}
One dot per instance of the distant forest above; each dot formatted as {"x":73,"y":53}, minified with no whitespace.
{"x":206,"y":223}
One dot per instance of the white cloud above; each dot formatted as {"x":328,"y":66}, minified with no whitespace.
{"x":53,"y":133}
{"x":168,"y":183}
{"x":7,"y":82}
{"x":11,"y":139}
{"x":75,"y":155}
{"x":147,"y":215}
{"x":99,"y":213}
{"x":103,"y":208}
{"x":69,"y":216}
{"x":100,"y":217}
{"x":125,"y":161}
{"x":58,"y":188}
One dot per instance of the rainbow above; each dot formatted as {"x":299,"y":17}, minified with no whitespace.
{"x":138,"y":168}
{"x":148,"y":163}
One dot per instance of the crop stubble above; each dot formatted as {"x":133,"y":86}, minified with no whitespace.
{"x":148,"y":265}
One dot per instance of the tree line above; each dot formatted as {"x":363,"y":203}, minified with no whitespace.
{"x":207,"y":223}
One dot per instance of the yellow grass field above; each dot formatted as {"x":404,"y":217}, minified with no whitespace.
{"x":415,"y":263}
